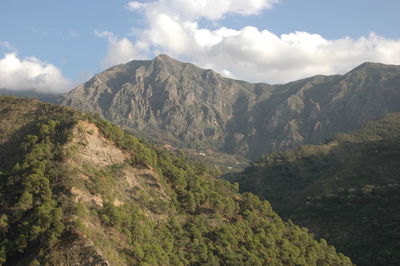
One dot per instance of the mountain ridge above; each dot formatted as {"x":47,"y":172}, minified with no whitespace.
{"x":186,"y":106}
{"x":152,"y":96}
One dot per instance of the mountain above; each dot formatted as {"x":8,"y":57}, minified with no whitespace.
{"x":77,"y":190}
{"x":183,"y":105}
{"x":167,"y":100}
{"x":346,"y":191}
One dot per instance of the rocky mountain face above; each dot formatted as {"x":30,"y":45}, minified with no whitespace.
{"x":181,"y":104}
{"x":166,"y":99}
{"x":77,"y":190}
{"x":310,"y":110}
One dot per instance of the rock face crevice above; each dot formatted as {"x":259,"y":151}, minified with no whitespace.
{"x":180,"y":104}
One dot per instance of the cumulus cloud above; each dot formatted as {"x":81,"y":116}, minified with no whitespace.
{"x":120,"y":50}
{"x":30,"y":73}
{"x":263,"y":56}
{"x":249,"y":53}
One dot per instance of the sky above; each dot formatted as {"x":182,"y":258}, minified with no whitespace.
{"x":54,"y":45}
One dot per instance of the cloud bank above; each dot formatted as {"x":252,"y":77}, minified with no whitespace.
{"x":249,"y":53}
{"x":120,"y":50}
{"x":30,"y":73}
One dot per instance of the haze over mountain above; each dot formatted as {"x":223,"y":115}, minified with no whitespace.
{"x":41,"y":96}
{"x":77,"y":190}
{"x":181,"y":104}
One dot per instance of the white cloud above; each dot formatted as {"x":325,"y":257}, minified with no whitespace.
{"x":136,"y":5}
{"x":248,"y":53}
{"x":169,"y":33}
{"x":263,"y":56}
{"x":30,"y":73}
{"x":72,"y":33}
{"x":8,"y":46}
{"x":120,"y":50}
{"x":209,"y":9}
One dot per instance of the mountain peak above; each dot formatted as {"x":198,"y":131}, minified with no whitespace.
{"x":163,"y":57}
{"x":167,"y":63}
{"x":166,"y":58}
{"x":372,"y":66}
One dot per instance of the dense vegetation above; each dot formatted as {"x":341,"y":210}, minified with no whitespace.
{"x":346,"y":191}
{"x":31,"y":216}
{"x":181,"y":214}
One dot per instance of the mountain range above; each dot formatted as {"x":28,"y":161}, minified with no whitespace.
{"x":183,"y":105}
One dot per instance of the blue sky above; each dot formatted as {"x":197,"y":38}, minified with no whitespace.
{"x":58,"y":44}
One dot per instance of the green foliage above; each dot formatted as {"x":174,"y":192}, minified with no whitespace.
{"x":32,"y":218}
{"x":369,"y":213}
{"x":213,"y":224}
{"x":345,"y":191}
{"x":387,"y":127}
{"x":258,"y":237}
{"x":196,"y":219}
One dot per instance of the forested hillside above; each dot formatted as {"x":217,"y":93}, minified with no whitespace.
{"x":347,"y":190}
{"x":75,"y":189}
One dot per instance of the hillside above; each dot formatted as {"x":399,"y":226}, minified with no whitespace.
{"x":180,"y":104}
{"x":41,"y":96}
{"x":346,"y":191}
{"x":76,"y":190}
